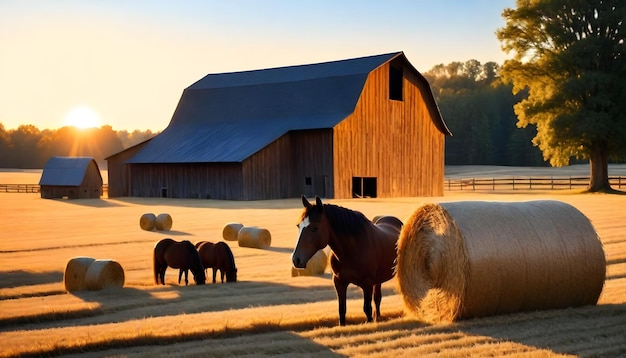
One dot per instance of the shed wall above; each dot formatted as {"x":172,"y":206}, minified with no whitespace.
{"x":394,"y":141}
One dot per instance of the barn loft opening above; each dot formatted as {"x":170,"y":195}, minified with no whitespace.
{"x":364,"y":187}
{"x":395,"y":83}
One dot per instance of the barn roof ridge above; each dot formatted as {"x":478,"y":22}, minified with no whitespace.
{"x":66,"y":171}
{"x":256,"y":107}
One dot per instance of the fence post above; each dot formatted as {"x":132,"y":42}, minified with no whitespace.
{"x":552,"y":183}
{"x":473,"y":184}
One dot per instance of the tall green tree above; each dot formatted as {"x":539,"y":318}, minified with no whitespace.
{"x":570,"y":56}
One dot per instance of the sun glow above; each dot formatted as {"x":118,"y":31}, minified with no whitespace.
{"x":82,"y":117}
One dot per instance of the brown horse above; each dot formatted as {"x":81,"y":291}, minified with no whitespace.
{"x":181,"y":255}
{"x":363,"y":253}
{"x":219,"y":257}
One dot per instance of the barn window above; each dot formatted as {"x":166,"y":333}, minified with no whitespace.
{"x":307,"y":181}
{"x":395,"y":83}
{"x":364,"y":187}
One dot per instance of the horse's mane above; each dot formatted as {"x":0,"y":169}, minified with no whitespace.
{"x":345,"y":221}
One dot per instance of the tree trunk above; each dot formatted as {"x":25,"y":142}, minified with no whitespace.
{"x":599,"y":179}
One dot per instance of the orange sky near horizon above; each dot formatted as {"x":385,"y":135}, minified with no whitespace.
{"x":128,"y":62}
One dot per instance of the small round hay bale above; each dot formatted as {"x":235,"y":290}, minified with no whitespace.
{"x":163,"y":222}
{"x":469,"y":259}
{"x":254,"y":237}
{"x":147,"y":221}
{"x":316,"y":265}
{"x":104,"y":274}
{"x":231,"y":231}
{"x":75,"y":270}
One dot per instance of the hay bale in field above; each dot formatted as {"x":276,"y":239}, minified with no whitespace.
{"x":254,"y":237}
{"x":75,"y":270}
{"x":316,"y":265}
{"x":147,"y":221}
{"x":472,"y":259}
{"x":104,"y":274}
{"x":231,"y":231}
{"x":163,"y":222}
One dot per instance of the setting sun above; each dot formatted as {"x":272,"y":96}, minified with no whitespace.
{"x":82,"y":117}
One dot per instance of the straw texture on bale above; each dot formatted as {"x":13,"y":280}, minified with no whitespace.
{"x":231,"y":231}
{"x":462,"y":260}
{"x":254,"y":237}
{"x":163,"y":222}
{"x":75,"y":270}
{"x":104,"y":274}
{"x":147,"y":221}
{"x":316,"y":265}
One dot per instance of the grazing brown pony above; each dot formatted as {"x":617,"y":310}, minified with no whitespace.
{"x":219,"y":257}
{"x":181,"y":255}
{"x":362,"y":253}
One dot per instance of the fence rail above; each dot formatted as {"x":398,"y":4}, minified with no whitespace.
{"x":30,"y":188}
{"x":526,"y":183}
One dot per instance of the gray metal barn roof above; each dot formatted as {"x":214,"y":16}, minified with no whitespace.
{"x":65,"y":171}
{"x":228,"y":117}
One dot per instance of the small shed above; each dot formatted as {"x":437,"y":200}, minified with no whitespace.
{"x":71,"y":178}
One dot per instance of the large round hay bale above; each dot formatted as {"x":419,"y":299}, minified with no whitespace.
{"x":316,"y":265}
{"x":147,"y":221}
{"x":231,"y":231}
{"x":75,"y":270}
{"x":472,"y":259}
{"x":254,"y":237}
{"x":163,"y":222}
{"x":104,"y":274}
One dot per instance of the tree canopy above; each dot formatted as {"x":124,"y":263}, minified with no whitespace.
{"x":570,"y":58}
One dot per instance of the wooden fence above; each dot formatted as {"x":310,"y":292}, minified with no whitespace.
{"x":526,"y":183}
{"x":30,"y":188}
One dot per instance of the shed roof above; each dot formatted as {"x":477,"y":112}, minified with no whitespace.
{"x":66,"y":171}
{"x":227,"y":117}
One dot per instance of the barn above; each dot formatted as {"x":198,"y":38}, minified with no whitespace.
{"x":71,"y":178}
{"x":360,"y":127}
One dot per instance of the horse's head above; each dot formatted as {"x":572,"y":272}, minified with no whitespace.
{"x":314,"y":232}
{"x":231,"y":276}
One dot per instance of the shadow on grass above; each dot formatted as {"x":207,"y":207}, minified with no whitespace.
{"x":17,"y":278}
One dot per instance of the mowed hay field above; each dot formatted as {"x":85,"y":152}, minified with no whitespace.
{"x":268,"y":312}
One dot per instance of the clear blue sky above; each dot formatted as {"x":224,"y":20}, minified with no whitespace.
{"x":129,"y":61}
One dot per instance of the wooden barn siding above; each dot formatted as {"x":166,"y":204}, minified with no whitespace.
{"x":221,"y":181}
{"x":394,"y":141}
{"x":279,"y":170}
{"x":312,"y":152}
{"x":119,"y":173}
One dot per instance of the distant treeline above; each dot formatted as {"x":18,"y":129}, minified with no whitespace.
{"x":27,"y":147}
{"x":475,"y":104}
{"x":478,"y":109}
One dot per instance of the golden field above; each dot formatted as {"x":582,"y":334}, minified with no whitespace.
{"x":267,"y":312}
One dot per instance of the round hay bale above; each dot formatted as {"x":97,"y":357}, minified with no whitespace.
{"x":163,"y":222}
{"x":231,"y":231}
{"x":316,"y":265}
{"x":147,"y":221}
{"x":254,"y":237}
{"x":75,"y":270}
{"x":461,"y":260}
{"x":104,"y":274}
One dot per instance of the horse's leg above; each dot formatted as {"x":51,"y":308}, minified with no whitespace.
{"x":341,"y":287}
{"x":214,"y":273}
{"x":378,"y":296}
{"x":186,"y":277}
{"x":367,"y":302}
{"x":180,"y":275}
{"x":162,"y":273}
{"x":222,"y":274}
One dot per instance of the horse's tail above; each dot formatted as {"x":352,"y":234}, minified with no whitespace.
{"x":155,"y":266}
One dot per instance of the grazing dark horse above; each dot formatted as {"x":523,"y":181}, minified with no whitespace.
{"x":219,"y":257}
{"x":181,"y":255}
{"x":362,"y":253}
